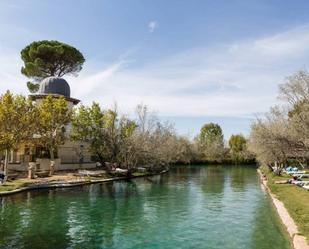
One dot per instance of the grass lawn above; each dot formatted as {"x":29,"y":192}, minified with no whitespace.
{"x":295,"y":199}
{"x":64,"y":177}
{"x":11,"y":185}
{"x":24,"y":182}
{"x":139,"y":174}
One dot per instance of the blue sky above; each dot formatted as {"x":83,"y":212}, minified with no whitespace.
{"x":190,"y":61}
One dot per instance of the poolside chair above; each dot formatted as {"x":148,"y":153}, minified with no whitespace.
{"x":306,"y":186}
{"x":301,"y":175}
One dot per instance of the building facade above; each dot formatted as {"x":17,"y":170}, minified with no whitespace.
{"x":70,"y":155}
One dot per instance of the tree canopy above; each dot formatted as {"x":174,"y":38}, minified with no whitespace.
{"x":128,"y":143}
{"x":211,"y":142}
{"x":49,"y":58}
{"x":53,"y":115}
{"x":211,"y":131}
{"x":281,"y":136}
{"x":237,"y":143}
{"x":17,"y":116}
{"x":238,"y":149}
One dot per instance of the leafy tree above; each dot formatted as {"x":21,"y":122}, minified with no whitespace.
{"x":211,"y":142}
{"x":210,"y":132}
{"x":49,"y":58}
{"x":127,"y":149}
{"x":298,"y":108}
{"x":273,"y":142}
{"x":238,"y":148}
{"x":237,"y":143}
{"x":296,"y":88}
{"x":53,"y":115}
{"x":88,"y":124}
{"x":282,"y":135}
{"x":157,"y":143}
{"x":17,"y":116}
{"x":129,"y":143}
{"x":110,"y":137}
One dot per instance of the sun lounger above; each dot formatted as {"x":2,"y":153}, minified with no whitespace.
{"x":300,"y":183}
{"x":301,"y":175}
{"x":306,"y":186}
{"x":294,"y":172}
{"x":90,"y":173}
{"x":119,"y":170}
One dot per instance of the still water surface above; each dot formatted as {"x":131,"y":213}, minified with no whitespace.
{"x":189,"y":207}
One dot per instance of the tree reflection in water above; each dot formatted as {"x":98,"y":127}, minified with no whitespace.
{"x":190,"y":207}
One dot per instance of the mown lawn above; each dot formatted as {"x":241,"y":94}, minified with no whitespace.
{"x":295,"y":199}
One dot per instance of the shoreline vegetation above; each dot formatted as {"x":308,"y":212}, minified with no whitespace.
{"x":292,"y":205}
{"x":280,"y":138}
{"x":65,"y":180}
{"x":279,"y":141}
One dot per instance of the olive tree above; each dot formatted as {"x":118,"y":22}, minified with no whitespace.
{"x":296,"y":89}
{"x":295,"y":93}
{"x":271,"y":140}
{"x":283,"y":134}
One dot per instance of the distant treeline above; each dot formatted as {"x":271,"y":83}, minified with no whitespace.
{"x":147,"y":142}
{"x":112,"y":138}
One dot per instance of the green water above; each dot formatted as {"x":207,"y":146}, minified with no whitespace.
{"x":190,"y":207}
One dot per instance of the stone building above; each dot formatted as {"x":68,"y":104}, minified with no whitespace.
{"x":70,"y":155}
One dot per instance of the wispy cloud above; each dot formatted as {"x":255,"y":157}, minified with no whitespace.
{"x":238,"y":79}
{"x":152,"y":26}
{"x":10,"y":78}
{"x":231,"y":80}
{"x":92,"y":84}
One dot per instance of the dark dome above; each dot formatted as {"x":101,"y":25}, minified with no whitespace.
{"x":54,"y":85}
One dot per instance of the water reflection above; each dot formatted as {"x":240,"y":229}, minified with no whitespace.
{"x":190,"y":207}
{"x":213,"y":180}
{"x":263,"y":217}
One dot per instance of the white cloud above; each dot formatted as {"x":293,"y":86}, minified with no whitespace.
{"x":229,"y":80}
{"x":152,"y":26}
{"x":10,"y":76}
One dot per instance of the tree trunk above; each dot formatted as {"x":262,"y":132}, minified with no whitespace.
{"x":6,"y":162}
{"x":129,"y":172}
{"x":31,"y":170}
{"x":52,"y":162}
{"x":31,"y":156}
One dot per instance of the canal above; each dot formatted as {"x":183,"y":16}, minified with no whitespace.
{"x":211,"y":207}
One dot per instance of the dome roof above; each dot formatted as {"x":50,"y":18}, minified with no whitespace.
{"x":54,"y":85}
